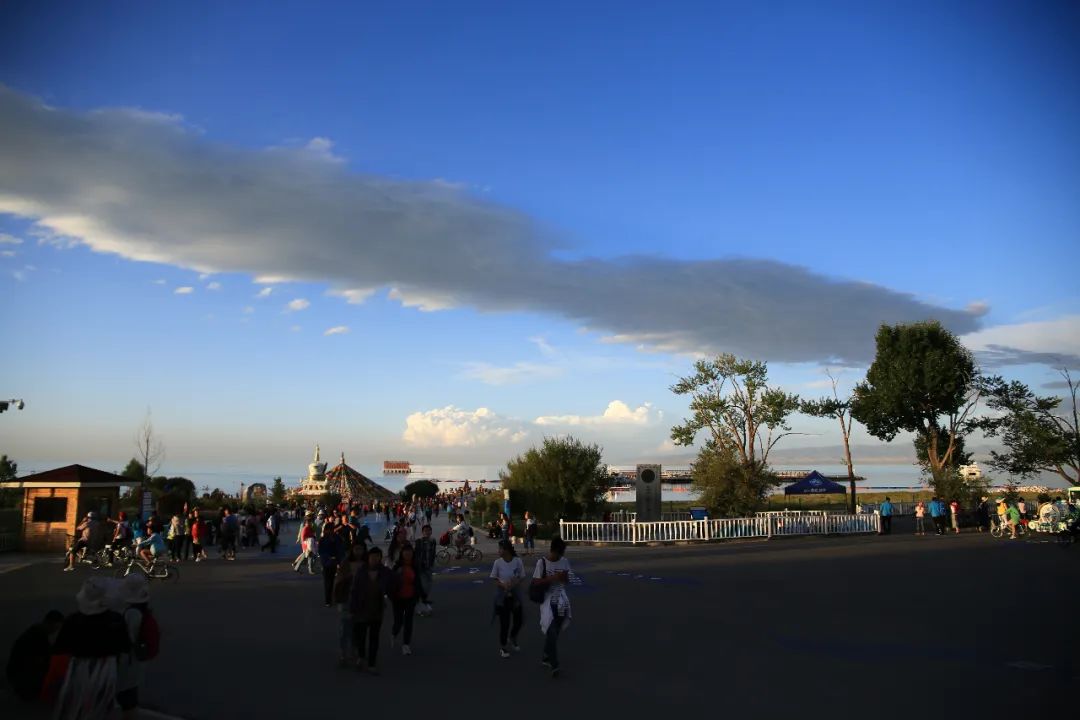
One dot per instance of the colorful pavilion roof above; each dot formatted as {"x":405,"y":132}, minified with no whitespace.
{"x":353,"y":486}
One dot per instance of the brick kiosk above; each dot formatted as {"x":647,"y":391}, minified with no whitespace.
{"x":55,"y":501}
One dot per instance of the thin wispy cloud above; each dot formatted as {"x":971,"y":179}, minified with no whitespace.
{"x":336,"y":330}
{"x":6,"y":239}
{"x":185,"y":290}
{"x":299,"y":214}
{"x":297,"y":305}
{"x":213,"y":286}
{"x":159,"y":281}
{"x":7,"y":253}
{"x":264,"y":293}
{"x":518,"y":373}
{"x":248,"y":310}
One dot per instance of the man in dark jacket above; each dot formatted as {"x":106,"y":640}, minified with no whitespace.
{"x":366,"y":602}
{"x":30,"y":656}
{"x":332,"y":550}
{"x":424,"y":555}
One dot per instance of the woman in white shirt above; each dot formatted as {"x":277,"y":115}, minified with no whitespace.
{"x":553,"y":572}
{"x":508,"y":572}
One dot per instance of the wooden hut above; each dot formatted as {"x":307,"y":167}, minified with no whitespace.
{"x":55,"y":501}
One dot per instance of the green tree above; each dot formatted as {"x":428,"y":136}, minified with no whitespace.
{"x":563,"y":478}
{"x":277,"y":491}
{"x":730,"y":399}
{"x":134,"y":471}
{"x":837,"y":408}
{"x":922,"y":381}
{"x":728,"y":486}
{"x":420,"y":488}
{"x":9,"y":471}
{"x":1039,"y":434}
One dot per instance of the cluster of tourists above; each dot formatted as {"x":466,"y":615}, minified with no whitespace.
{"x":91,"y":662}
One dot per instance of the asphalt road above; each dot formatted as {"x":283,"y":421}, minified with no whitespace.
{"x":897,"y":626}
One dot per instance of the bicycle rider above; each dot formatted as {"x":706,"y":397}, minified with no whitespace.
{"x":86,"y":530}
{"x":152,"y":546}
{"x":462,"y":532}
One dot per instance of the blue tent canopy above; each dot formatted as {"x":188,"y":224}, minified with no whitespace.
{"x":814,"y":484}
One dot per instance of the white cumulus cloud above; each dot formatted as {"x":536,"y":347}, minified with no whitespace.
{"x":1053,"y":342}
{"x":454,"y":427}
{"x":297,"y":305}
{"x":185,"y":290}
{"x":213,"y":286}
{"x":616,"y":413}
{"x":355,"y":296}
{"x":336,"y":330}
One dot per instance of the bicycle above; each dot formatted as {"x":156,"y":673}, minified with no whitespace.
{"x":445,"y":554}
{"x":999,"y":529}
{"x":158,"y":570}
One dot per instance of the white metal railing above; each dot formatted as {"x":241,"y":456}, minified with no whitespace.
{"x":628,"y":516}
{"x":719,"y":529}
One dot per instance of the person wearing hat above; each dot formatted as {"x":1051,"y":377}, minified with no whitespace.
{"x":86,"y":530}
{"x":508,"y":572}
{"x":130,"y":597}
{"x":94,"y":637}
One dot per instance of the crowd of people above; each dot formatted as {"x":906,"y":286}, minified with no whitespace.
{"x":1011,"y":515}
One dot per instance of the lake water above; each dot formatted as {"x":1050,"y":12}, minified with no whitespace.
{"x":452,"y":476}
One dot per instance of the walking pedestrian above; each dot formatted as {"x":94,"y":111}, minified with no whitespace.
{"x":186,"y":538}
{"x":305,"y":538}
{"x":273,"y":526}
{"x":343,"y":578}
{"x":331,"y":553}
{"x":94,"y":637}
{"x":982,"y":514}
{"x":199,"y":532}
{"x":366,"y":604}
{"x":552,"y":573}
{"x":530,"y":532}
{"x":886,"y":511}
{"x":424,"y":555}
{"x":508,"y":572}
{"x":954,"y":513}
{"x":937,"y":514}
{"x":405,"y":592}
{"x":920,"y":514}
{"x":175,"y":537}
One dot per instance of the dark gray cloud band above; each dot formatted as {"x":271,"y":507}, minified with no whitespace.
{"x":147,"y":188}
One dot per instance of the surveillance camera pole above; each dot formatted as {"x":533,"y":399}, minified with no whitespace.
{"x":5,"y":404}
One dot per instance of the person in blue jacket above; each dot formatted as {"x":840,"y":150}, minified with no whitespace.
{"x":886,"y":511}
{"x":937,"y":514}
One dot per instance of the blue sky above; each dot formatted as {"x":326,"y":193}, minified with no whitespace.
{"x":538,"y":211}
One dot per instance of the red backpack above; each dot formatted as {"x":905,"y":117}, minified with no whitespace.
{"x":148,"y":645}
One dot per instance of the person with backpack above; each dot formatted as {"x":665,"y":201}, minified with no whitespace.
{"x":508,"y":572}
{"x":550,"y":578}
{"x":369,"y":587}
{"x":93,"y":638}
{"x":131,"y":599}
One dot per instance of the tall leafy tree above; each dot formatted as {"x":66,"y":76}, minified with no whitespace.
{"x":420,"y":488}
{"x":732,"y":402}
{"x":922,"y":381}
{"x":727,"y":486}
{"x":839,"y":409}
{"x":1040,"y":434}
{"x":564,"y":477}
{"x":277,"y":491}
{"x":9,"y":471}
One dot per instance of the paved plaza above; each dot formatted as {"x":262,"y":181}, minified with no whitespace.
{"x":896,"y":626}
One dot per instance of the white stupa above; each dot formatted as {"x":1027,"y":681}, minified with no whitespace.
{"x":315,"y":482}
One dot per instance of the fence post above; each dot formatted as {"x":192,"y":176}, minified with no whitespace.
{"x":768,"y":524}
{"x":562,"y":533}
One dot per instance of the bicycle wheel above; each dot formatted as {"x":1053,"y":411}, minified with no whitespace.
{"x":122,"y":571}
{"x":442,"y":556}
{"x":473,"y":555}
